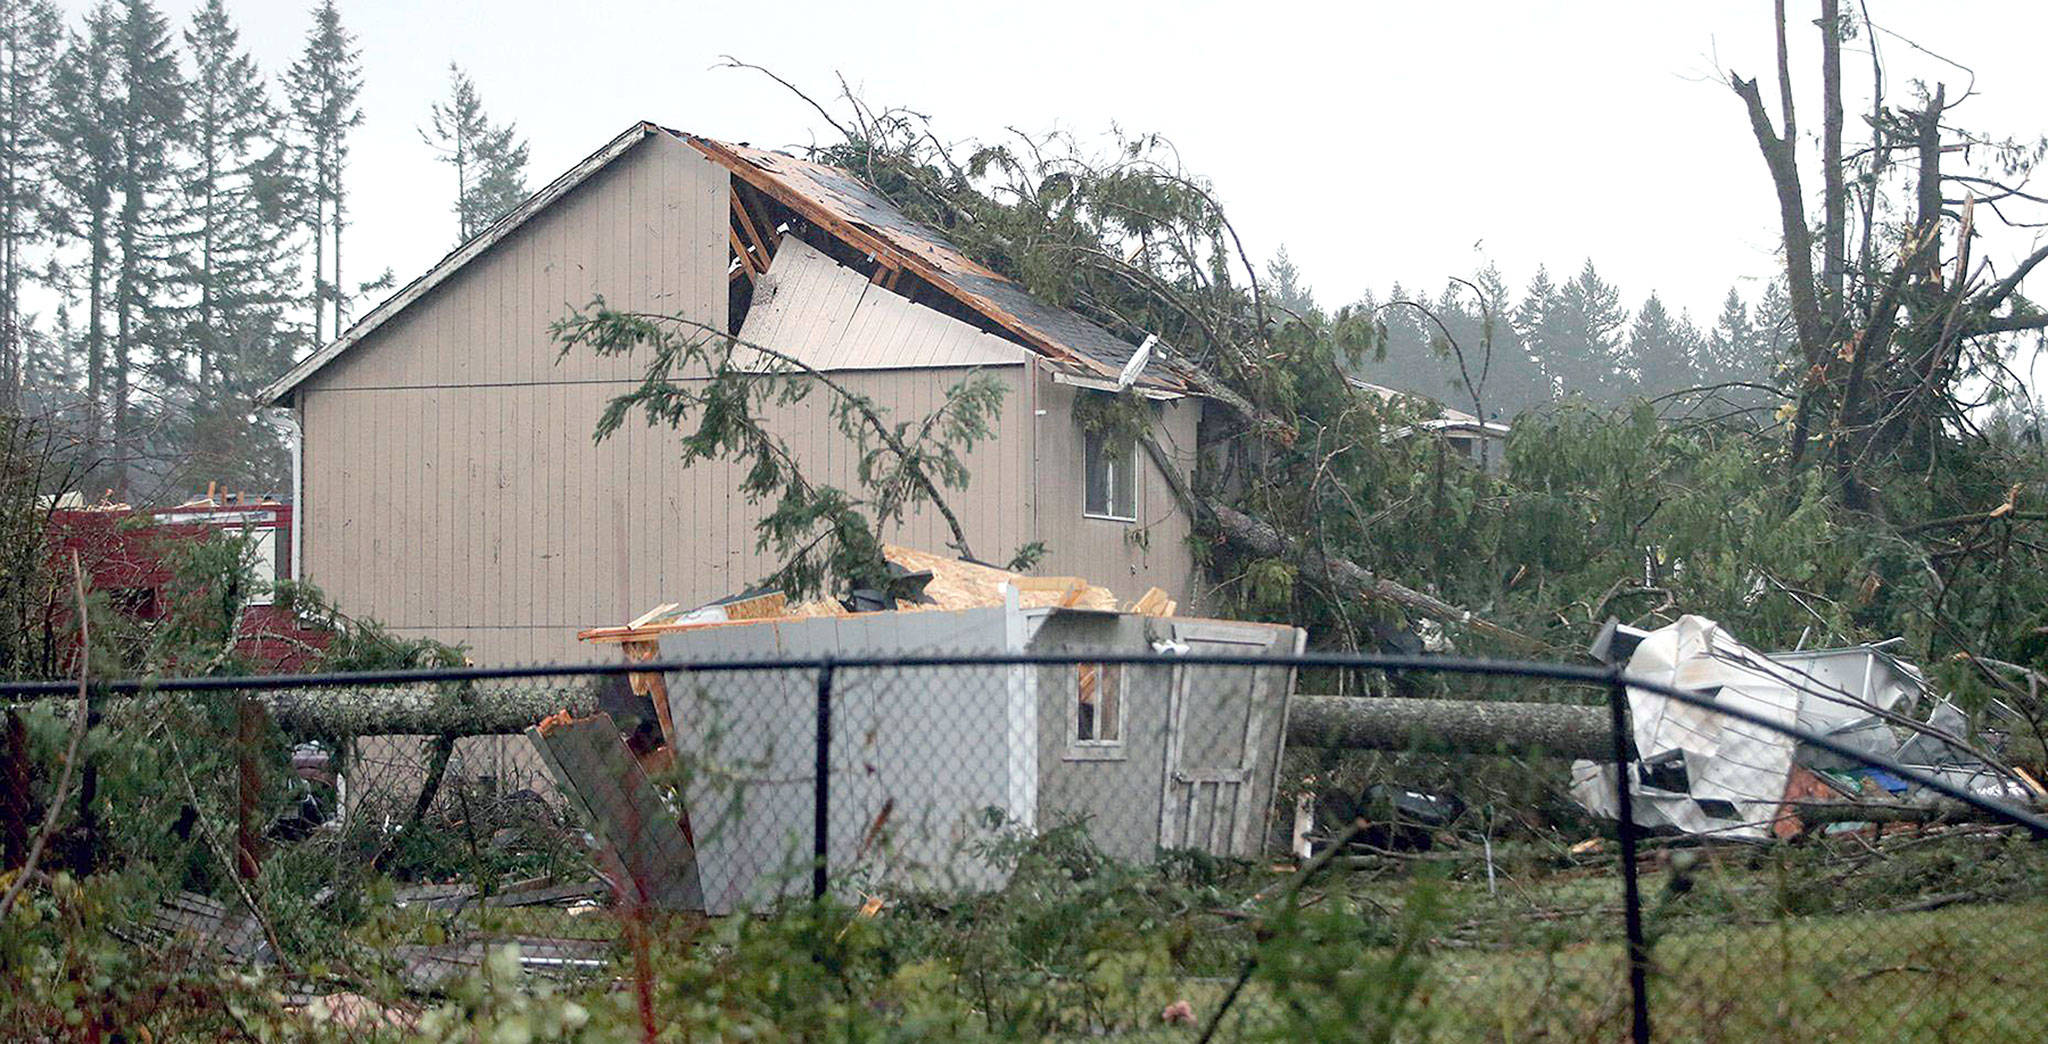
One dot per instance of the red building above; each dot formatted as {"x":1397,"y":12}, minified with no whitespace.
{"x":128,"y":553}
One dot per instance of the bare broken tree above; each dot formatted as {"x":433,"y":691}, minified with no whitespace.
{"x":1898,"y":320}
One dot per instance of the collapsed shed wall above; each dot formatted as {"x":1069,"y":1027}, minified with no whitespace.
{"x":919,"y":756}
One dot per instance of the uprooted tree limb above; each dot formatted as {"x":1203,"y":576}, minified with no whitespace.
{"x":1261,"y":538}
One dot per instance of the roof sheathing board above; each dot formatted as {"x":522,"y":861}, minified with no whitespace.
{"x":838,"y":202}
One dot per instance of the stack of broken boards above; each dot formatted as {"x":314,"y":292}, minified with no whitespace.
{"x":954,"y":585}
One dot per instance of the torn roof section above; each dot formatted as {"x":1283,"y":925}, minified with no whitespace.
{"x":831,"y":318}
{"x":836,"y":203}
{"x":840,"y":203}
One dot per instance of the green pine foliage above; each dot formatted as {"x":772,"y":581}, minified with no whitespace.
{"x":489,"y":159}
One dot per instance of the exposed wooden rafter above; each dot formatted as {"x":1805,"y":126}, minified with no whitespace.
{"x":750,"y":234}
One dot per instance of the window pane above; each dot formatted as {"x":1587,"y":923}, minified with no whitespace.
{"x":1098,"y":703}
{"x":1087,"y":677}
{"x":1109,"y":702}
{"x":1096,"y":477}
{"x":1123,"y":484}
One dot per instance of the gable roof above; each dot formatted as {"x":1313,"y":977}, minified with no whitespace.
{"x":828,"y":197}
{"x":276,"y":390}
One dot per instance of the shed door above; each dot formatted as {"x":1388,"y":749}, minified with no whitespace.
{"x":1219,"y":720}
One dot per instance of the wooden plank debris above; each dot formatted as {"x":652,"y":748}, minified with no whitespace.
{"x":639,"y":836}
{"x":658,"y":612}
{"x":954,"y":585}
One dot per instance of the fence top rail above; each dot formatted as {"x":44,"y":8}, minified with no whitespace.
{"x":1607,"y":677}
{"x":1565,"y":672}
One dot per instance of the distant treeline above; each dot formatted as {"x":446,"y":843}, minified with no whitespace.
{"x":1557,"y":339}
{"x":172,"y":225}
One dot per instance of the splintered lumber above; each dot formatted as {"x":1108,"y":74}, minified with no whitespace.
{"x":955,"y":584}
{"x":967,"y":585}
{"x":1449,"y":726}
{"x":759,"y":607}
{"x":1154,"y":602}
{"x":656,"y":613}
{"x":638,"y":835}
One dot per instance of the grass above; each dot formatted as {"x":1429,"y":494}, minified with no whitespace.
{"x":1959,"y":973}
{"x":1779,"y":943}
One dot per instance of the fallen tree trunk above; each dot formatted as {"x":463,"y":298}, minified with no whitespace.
{"x":421,"y":710}
{"x":418,"y":710}
{"x":1449,"y":726}
{"x":1262,"y":538}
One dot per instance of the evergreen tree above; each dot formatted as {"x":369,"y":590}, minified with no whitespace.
{"x":86,"y":175}
{"x":1662,"y":349}
{"x":1285,"y":287}
{"x":29,"y":34}
{"x":1731,"y":342}
{"x":489,"y":161}
{"x":1514,"y":382}
{"x":239,"y":268}
{"x":1592,"y":321}
{"x":1540,"y":322}
{"x":151,"y":111}
{"x":321,"y":89}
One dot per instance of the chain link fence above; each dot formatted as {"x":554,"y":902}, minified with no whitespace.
{"x":1151,"y":844}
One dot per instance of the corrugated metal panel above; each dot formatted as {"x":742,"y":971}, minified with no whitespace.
{"x":831,"y":318}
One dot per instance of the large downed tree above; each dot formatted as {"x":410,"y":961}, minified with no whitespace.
{"x":1313,"y":508}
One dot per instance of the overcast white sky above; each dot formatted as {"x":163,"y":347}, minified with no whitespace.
{"x":1378,"y":141}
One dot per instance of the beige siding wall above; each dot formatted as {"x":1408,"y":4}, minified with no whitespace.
{"x":451,"y":487}
{"x":487,"y":516}
{"x":1126,"y":557}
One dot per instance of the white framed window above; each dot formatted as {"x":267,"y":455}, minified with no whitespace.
{"x":1096,"y":713}
{"x":1109,"y":479}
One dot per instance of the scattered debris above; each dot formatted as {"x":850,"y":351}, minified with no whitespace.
{"x":1708,"y":773}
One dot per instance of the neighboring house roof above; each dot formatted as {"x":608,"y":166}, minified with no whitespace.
{"x":1446,"y":419}
{"x":831,"y":199}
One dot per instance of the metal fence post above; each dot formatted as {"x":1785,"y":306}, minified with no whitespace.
{"x":1631,"y":892}
{"x":821,"y":787}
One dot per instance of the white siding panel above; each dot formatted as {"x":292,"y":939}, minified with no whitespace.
{"x":831,"y":318}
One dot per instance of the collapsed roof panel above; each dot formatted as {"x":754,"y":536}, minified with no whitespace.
{"x":830,"y":317}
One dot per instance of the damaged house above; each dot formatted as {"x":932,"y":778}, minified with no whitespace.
{"x":445,"y":475}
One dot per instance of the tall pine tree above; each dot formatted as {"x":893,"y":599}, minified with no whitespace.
{"x":239,"y":271}
{"x":321,"y":89}
{"x":87,"y":175}
{"x":29,"y":34}
{"x":151,"y":112}
{"x":489,"y":161}
{"x":1541,"y":323}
